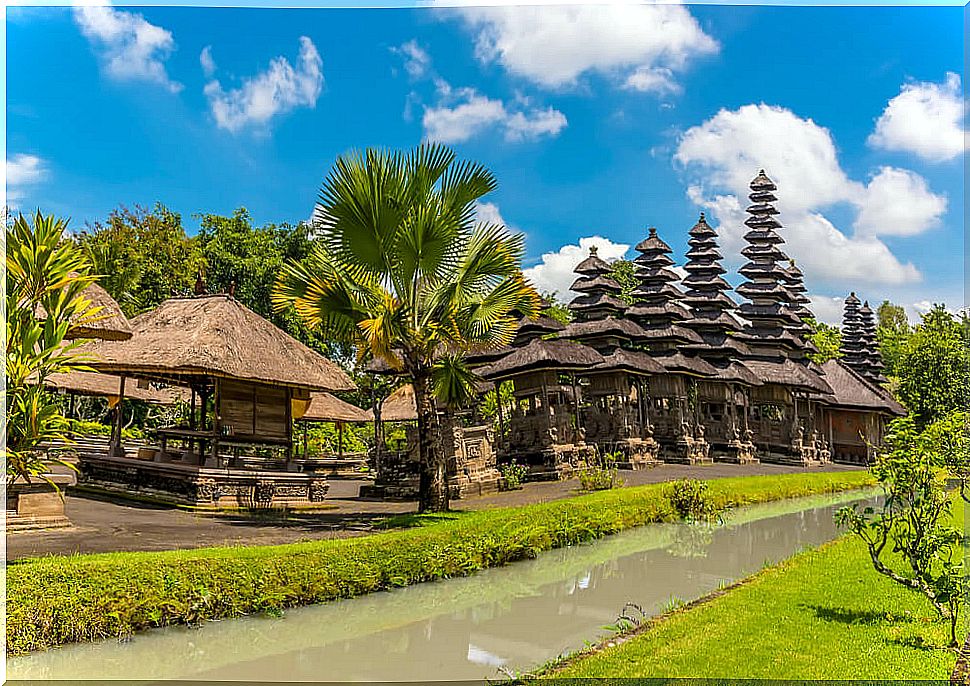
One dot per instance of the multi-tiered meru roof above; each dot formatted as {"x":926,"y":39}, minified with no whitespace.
{"x":659,"y":308}
{"x":853,"y":346}
{"x":873,"y":367}
{"x":774,"y":332}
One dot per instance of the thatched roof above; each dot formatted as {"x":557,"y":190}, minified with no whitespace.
{"x":108,"y":385}
{"x":109,"y":323}
{"x":325,"y":407}
{"x":400,"y":405}
{"x":543,"y":354}
{"x":676,"y":362}
{"x":633,"y":361}
{"x":215,"y":336}
{"x":787,"y":373}
{"x":852,"y":390}
{"x":608,"y":326}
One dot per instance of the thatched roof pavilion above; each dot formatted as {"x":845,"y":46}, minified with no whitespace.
{"x":215,"y":336}
{"x":325,"y":407}
{"x":400,"y":406}
{"x":851,"y":390}
{"x":110,"y":323}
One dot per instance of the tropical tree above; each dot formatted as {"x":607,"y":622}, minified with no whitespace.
{"x":625,"y":274}
{"x":555,"y":308}
{"x":892,"y":330}
{"x":827,"y":340}
{"x":45,"y":280}
{"x":934,"y":367}
{"x":144,"y":255}
{"x":910,"y":537}
{"x":403,"y":271}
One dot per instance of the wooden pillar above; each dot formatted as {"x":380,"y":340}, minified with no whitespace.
{"x":116,"y":448}
{"x":306,"y":450}
{"x":501,"y":418}
{"x":340,"y":439}
{"x":217,"y":425}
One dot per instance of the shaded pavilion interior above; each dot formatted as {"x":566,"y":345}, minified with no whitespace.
{"x":247,"y":381}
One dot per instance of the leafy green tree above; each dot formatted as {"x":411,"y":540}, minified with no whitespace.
{"x":45,"y":280}
{"x":402,"y":270}
{"x":144,"y":256}
{"x":827,"y":339}
{"x":624,"y":272}
{"x":555,"y":308}
{"x":934,"y":367}
{"x":892,"y":330}
{"x":915,"y":521}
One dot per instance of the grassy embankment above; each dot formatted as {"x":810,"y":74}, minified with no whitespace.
{"x":822,"y":614}
{"x":56,"y":600}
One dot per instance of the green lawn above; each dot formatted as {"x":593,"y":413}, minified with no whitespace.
{"x":823,"y":614}
{"x":55,"y":600}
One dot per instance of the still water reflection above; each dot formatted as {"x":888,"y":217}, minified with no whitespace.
{"x":510,"y":618}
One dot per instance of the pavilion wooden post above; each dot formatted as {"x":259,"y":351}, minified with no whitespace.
{"x":306,"y":449}
{"x":116,"y":449}
{"x":216,"y":423}
{"x":340,"y":439}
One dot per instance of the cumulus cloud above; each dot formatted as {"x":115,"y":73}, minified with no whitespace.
{"x":555,"y":273}
{"x":207,"y":62}
{"x":635,"y":45}
{"x":826,"y":308}
{"x":23,"y":171}
{"x":724,"y":153}
{"x":130,"y":48}
{"x":279,"y":89}
{"x":462,"y":113}
{"x":898,"y":202}
{"x":926,"y":119}
{"x":417,"y":61}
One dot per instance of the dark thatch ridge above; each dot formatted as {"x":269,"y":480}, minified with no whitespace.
{"x":851,"y":390}
{"x":543,"y":354}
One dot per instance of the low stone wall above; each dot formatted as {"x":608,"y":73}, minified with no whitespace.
{"x":37,"y":505}
{"x":201,"y":487}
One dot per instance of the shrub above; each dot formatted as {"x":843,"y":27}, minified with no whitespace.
{"x":600,"y":474}
{"x":692,"y":502}
{"x":513,"y":474}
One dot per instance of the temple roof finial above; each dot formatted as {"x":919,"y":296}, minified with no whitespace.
{"x":592,"y":251}
{"x":652,"y":231}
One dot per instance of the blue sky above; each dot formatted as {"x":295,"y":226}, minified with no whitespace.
{"x":598,"y":122}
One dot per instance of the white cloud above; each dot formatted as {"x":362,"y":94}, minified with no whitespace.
{"x":653,"y":79}
{"x":279,"y":89}
{"x":553,"y":46}
{"x":488,"y":212}
{"x":417,"y":61}
{"x":724,"y":153}
{"x":463,"y":113}
{"x":555,"y":272}
{"x":899,"y":203}
{"x":207,"y":61}
{"x":827,"y":309}
{"x":130,"y":48}
{"x":24,"y":170}
{"x":926,"y":119}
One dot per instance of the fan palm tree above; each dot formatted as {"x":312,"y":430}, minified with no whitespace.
{"x":402,"y":269}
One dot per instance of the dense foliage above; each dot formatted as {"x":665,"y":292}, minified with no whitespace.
{"x":934,"y":367}
{"x":827,"y":340}
{"x":56,"y":600}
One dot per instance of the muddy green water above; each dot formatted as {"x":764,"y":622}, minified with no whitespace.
{"x":475,"y":628}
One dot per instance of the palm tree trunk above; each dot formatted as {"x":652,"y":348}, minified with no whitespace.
{"x":433,"y":485}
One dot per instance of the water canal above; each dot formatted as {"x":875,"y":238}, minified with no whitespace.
{"x":508,"y":618}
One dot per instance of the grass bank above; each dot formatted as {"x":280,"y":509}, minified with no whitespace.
{"x":823,"y":614}
{"x":56,"y":600}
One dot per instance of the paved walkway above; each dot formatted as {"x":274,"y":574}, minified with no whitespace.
{"x":101,"y":526}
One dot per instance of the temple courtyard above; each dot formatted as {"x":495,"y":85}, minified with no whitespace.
{"x":101,"y":526}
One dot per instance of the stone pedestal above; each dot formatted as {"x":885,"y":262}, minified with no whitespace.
{"x":638,"y":453}
{"x":37,"y":505}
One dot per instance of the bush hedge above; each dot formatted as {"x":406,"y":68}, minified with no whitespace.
{"x":63,"y":599}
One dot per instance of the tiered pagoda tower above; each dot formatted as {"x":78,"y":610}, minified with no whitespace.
{"x":783,"y":412}
{"x":614,"y":417}
{"x":771,"y":307}
{"x":658,"y":308}
{"x":723,"y":400}
{"x":873,"y":359}
{"x":853,"y":343}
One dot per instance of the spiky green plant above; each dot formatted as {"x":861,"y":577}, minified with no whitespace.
{"x":46,"y":277}
{"x":403,"y":270}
